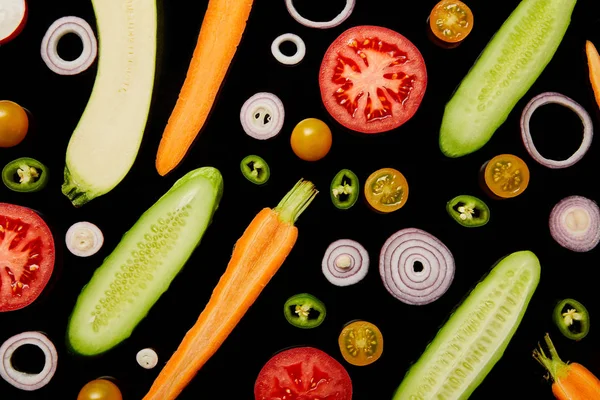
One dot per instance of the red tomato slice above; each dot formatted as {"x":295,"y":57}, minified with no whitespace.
{"x":303,"y":373}
{"x":26,"y":256}
{"x":372,"y":79}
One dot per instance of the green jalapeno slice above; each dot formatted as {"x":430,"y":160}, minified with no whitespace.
{"x":255,"y":169}
{"x":468,"y":211}
{"x":572,"y":319}
{"x":304,"y":310}
{"x":344,"y":189}
{"x":25,"y":175}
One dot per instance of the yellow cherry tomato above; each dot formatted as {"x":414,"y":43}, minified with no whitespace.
{"x":311,"y":139}
{"x":100,"y":389}
{"x":386,"y":190}
{"x":451,"y":21}
{"x":506,"y":175}
{"x":361,"y":343}
{"x":14,"y":123}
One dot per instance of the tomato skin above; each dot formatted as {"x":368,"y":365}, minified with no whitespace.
{"x":311,"y":139}
{"x":386,"y":190}
{"x":352,"y":74}
{"x":365,"y":341}
{"x":100,"y":389}
{"x":14,"y":123}
{"x":33,"y":265}
{"x":290,"y":373}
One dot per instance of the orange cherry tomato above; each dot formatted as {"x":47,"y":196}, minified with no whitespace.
{"x":451,"y":21}
{"x":386,"y":190}
{"x":311,"y":139}
{"x":100,"y":389}
{"x":506,"y":175}
{"x":361,"y":343}
{"x":14,"y":123}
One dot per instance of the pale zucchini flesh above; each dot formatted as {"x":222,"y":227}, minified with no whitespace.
{"x":503,"y":73}
{"x":140,"y":269}
{"x":476,"y":335}
{"x":107,"y":138}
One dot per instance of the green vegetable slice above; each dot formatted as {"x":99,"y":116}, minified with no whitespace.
{"x":25,"y":175}
{"x":572,"y":319}
{"x":468,"y":211}
{"x":476,"y":335}
{"x":255,"y":169}
{"x":304,"y":311}
{"x":344,"y":189}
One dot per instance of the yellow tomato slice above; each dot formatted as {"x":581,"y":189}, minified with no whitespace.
{"x":506,"y":175}
{"x":361,"y":343}
{"x":386,"y":190}
{"x":451,"y":21}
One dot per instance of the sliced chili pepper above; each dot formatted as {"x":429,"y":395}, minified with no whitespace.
{"x":255,"y":169}
{"x":344,"y":189}
{"x":468,"y":211}
{"x":304,"y":311}
{"x":572,"y":319}
{"x":25,"y":175}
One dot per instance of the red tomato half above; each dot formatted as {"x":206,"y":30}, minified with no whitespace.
{"x":26,"y":254}
{"x":372,"y":79}
{"x":303,"y":373}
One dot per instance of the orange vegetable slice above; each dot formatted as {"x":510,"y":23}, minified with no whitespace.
{"x":451,"y":21}
{"x":361,"y":343}
{"x":386,"y":190}
{"x":506,"y":175}
{"x":594,"y":67}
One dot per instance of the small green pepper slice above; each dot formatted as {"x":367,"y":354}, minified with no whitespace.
{"x":344,"y":189}
{"x":25,"y":175}
{"x":572,"y":319}
{"x":255,"y":169}
{"x":468,"y":211}
{"x":304,"y":311}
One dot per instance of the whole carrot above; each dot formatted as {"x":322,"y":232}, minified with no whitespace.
{"x":220,"y":34}
{"x":571,"y":381}
{"x":257,"y":256}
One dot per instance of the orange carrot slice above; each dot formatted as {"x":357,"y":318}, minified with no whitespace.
{"x":594,"y":67}
{"x":221,"y":32}
{"x":257,"y":256}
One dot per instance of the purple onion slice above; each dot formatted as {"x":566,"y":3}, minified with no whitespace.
{"x":22,"y":380}
{"x":345,"y":263}
{"x":556,"y":98}
{"x":415,"y":266}
{"x":262,"y":116}
{"x":341,"y":17}
{"x":56,"y":31}
{"x":575,"y":223}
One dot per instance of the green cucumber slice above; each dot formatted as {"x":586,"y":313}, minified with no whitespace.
{"x":142,"y":266}
{"x":475,"y":336}
{"x":503,"y":73}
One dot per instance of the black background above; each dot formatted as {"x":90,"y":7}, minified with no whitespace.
{"x":56,"y":103}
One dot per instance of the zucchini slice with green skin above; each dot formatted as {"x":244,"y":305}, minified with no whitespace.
{"x":105,"y":143}
{"x":503,"y":73}
{"x":142,"y":266}
{"x":476,"y":335}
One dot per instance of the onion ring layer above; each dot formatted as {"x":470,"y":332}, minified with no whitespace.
{"x":345,"y":263}
{"x":262,"y":116}
{"x":282,"y":58}
{"x":575,"y":223}
{"x":341,"y":17}
{"x":56,"y":31}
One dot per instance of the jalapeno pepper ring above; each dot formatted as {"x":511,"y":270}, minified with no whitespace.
{"x":344,"y":189}
{"x":572,"y":319}
{"x":255,"y":169}
{"x":304,"y":311}
{"x":25,"y":175}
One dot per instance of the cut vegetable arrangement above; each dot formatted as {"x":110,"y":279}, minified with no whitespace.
{"x":221,"y":32}
{"x":476,"y":335}
{"x":140,"y":269}
{"x":257,"y":256}
{"x":107,"y":138}
{"x":503,"y":73}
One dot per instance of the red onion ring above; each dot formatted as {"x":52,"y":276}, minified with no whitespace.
{"x":575,"y":223}
{"x":345,"y":263}
{"x":22,"y":380}
{"x":398,"y":269}
{"x":341,"y":17}
{"x":57,"y":30}
{"x":262,"y":116}
{"x":556,"y":98}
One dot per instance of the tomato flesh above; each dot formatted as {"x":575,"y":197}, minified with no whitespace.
{"x":27,"y":253}
{"x":372,"y":79}
{"x":361,"y":343}
{"x":303,"y":373}
{"x":506,"y":176}
{"x":386,"y":190}
{"x":451,"y":21}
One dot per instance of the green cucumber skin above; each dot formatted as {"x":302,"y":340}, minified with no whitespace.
{"x":514,"y":59}
{"x":520,"y":263}
{"x":198,"y":193}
